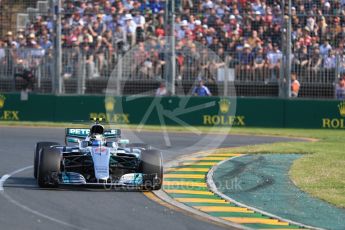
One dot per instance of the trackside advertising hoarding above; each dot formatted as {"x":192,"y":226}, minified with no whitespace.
{"x":180,"y":111}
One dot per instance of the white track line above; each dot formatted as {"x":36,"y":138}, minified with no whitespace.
{"x":26,"y":208}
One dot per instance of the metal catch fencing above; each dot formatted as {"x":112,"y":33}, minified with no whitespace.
{"x":245,"y":47}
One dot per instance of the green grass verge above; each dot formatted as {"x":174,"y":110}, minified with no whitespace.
{"x":321,"y":172}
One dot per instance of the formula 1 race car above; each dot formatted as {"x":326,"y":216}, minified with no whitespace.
{"x":97,"y":157}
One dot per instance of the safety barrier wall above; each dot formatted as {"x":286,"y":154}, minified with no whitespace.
{"x":180,"y":111}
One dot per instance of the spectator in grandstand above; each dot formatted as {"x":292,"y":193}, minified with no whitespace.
{"x":87,"y":55}
{"x":162,"y":90}
{"x":45,"y":43}
{"x":325,"y":47}
{"x":10,"y":39}
{"x":259,"y":63}
{"x":100,"y":50}
{"x":274,"y":58}
{"x":245,"y":66}
{"x":301,"y":59}
{"x":2,"y":51}
{"x":130,"y":28}
{"x":340,"y":89}
{"x":295,"y":85}
{"x":314,"y":64}
{"x":330,"y":61}
{"x":201,"y":90}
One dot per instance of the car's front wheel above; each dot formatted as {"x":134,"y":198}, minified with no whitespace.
{"x":48,"y":167}
{"x":39,"y":146}
{"x":152,"y":169}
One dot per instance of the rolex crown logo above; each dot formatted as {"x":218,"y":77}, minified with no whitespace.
{"x":2,"y":101}
{"x":341,"y":107}
{"x":224,"y":105}
{"x":110,"y":104}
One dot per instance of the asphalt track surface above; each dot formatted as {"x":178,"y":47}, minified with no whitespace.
{"x":25,"y":206}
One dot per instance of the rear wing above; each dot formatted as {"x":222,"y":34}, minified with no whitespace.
{"x":83,"y":133}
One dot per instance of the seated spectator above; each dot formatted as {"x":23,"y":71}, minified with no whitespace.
{"x":130,"y":29}
{"x":259,"y":64}
{"x":314,"y":64}
{"x":274,"y":58}
{"x":301,"y":60}
{"x":245,"y":66}
{"x":87,"y":55}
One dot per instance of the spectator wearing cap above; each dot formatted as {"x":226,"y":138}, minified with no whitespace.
{"x":130,"y":28}
{"x":182,"y":32}
{"x":9,"y":38}
{"x":256,"y":21}
{"x":246,"y":59}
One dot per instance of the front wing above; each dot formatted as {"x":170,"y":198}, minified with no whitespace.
{"x":131,"y":180}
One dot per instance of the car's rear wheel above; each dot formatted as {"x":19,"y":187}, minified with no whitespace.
{"x":39,"y":146}
{"x":48,"y":167}
{"x":152,"y":168}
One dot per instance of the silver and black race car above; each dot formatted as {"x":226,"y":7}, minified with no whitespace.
{"x":99,"y":157}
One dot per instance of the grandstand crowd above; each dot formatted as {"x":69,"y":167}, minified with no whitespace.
{"x":247,"y":35}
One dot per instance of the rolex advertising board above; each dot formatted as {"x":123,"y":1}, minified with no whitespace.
{"x":177,"y":111}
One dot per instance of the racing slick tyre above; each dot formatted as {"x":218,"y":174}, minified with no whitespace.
{"x":152,"y":169}
{"x":48,"y":167}
{"x":39,"y":146}
{"x":139,"y":145}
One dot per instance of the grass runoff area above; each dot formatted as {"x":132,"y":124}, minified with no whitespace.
{"x":321,"y":172}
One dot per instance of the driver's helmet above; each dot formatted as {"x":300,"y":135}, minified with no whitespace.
{"x":97,"y":140}
{"x":96,"y":129}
